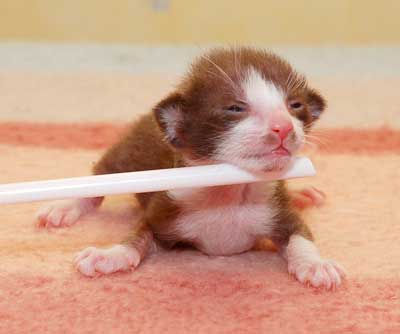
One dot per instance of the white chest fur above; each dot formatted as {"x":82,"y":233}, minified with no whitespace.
{"x":224,"y":220}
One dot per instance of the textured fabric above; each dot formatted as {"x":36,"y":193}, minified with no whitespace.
{"x":101,"y":136}
{"x":185,"y":291}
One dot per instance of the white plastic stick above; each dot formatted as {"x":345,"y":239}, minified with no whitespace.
{"x":145,"y":181}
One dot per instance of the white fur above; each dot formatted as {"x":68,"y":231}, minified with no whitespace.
{"x":298,"y":130}
{"x":252,"y":137}
{"x":224,"y":221}
{"x":64,"y":213}
{"x":94,"y":261}
{"x":305,"y":263}
{"x":261,"y":94}
{"x":171,"y":118}
{"x":245,"y":140}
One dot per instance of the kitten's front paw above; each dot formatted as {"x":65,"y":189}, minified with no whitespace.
{"x":58,"y":214}
{"x":64,"y":213}
{"x":93,"y":261}
{"x":319,"y":274}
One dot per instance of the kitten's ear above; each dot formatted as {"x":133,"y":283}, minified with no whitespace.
{"x":169,"y":116}
{"x":316,"y":104}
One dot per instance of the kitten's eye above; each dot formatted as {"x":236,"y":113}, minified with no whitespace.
{"x":296,"y":105}
{"x":235,"y":108}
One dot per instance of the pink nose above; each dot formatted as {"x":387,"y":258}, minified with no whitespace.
{"x":282,"y":128}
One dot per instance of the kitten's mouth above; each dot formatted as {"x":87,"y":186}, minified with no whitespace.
{"x":278,"y":152}
{"x":281,"y":151}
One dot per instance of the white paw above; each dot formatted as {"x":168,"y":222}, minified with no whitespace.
{"x":325,"y":274}
{"x":94,"y":261}
{"x":63,"y":213}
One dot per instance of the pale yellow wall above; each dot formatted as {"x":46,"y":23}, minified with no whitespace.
{"x":207,"y":21}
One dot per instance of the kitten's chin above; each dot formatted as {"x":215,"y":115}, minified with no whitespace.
{"x":278,"y":164}
{"x":260,"y":165}
{"x":255,"y":164}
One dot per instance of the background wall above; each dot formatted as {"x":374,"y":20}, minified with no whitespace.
{"x":206,"y":21}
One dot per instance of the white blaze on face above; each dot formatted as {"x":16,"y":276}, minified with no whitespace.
{"x":250,"y":140}
{"x":262,"y":95}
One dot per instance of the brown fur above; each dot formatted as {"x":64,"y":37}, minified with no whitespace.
{"x":155,"y":142}
{"x":210,"y":86}
{"x":143,"y":148}
{"x":288,"y":221}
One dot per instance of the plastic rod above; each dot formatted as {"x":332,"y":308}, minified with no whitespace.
{"x":145,"y":181}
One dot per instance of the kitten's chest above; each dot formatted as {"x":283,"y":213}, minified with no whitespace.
{"x":224,"y":220}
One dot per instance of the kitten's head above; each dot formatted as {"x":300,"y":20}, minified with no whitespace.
{"x":243,"y":106}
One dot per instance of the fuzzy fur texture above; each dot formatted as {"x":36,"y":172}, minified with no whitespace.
{"x":243,"y":106}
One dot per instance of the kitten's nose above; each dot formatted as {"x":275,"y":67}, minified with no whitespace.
{"x":283,"y":127}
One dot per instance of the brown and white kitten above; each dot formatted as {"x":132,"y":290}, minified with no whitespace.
{"x":242,"y":106}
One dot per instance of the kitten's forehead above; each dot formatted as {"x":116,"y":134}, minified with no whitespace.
{"x":261,"y":93}
{"x":224,"y":70}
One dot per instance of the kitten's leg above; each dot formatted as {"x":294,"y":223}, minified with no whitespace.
{"x":65,"y":213}
{"x":94,"y":261}
{"x":306,"y":264}
{"x":294,"y":241}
